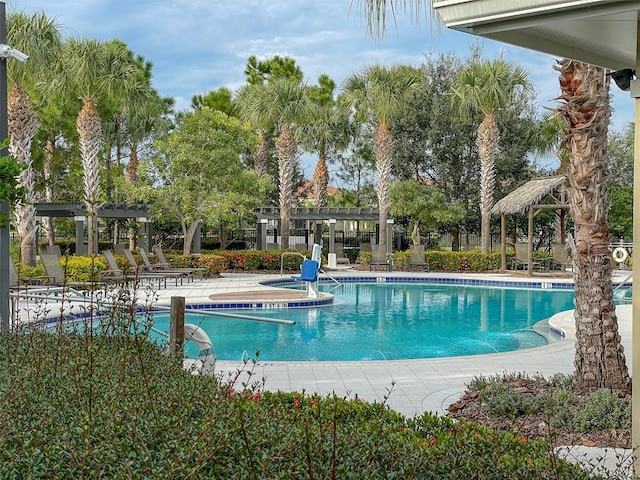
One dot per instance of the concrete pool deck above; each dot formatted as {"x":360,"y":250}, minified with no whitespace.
{"x":411,"y":387}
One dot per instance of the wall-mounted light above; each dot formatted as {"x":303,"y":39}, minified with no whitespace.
{"x":623,"y":78}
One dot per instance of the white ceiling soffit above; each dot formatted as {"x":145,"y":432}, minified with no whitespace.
{"x":600,"y":32}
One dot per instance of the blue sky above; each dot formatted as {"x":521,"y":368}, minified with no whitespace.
{"x":200,"y":45}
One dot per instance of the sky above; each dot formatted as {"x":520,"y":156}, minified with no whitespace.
{"x":200,"y":45}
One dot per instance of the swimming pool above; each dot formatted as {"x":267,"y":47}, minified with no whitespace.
{"x":378,"y":321}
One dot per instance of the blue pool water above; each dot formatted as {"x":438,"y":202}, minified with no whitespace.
{"x":389,"y":321}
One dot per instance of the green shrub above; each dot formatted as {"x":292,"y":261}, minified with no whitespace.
{"x":600,"y":410}
{"x":78,"y":404}
{"x":82,"y":269}
{"x":463,"y":261}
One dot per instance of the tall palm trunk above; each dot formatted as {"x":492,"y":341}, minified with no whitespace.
{"x":261,"y":156}
{"x":131,"y":177}
{"x":487,"y":140}
{"x":48,"y":191}
{"x":383,"y":150}
{"x":320,"y":181}
{"x":599,"y":361}
{"x":89,"y":126}
{"x":23,"y":125}
{"x":286,"y":148}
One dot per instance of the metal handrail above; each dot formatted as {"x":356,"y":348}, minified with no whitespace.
{"x":282,"y":259}
{"x":48,"y":293}
{"x":621,"y":284}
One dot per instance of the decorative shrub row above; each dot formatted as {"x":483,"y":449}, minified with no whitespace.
{"x":444,"y":261}
{"x":112,"y":406}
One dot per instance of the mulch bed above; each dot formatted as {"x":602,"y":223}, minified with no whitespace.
{"x":536,"y":425}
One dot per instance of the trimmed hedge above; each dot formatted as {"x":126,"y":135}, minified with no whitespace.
{"x":76,"y":404}
{"x":444,"y":261}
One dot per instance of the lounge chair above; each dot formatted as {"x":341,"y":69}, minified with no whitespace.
{"x":165,"y":268}
{"x":16,"y":281}
{"x":521,"y":258}
{"x":338,"y":249}
{"x":53,"y":249}
{"x":379,"y":258}
{"x":139,"y":271}
{"x":162,"y":261}
{"x":561,"y":258}
{"x":417,"y":259}
{"x":57,"y":275}
{"x":116,"y":275}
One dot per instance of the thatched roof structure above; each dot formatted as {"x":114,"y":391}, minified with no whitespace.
{"x":529,"y":194}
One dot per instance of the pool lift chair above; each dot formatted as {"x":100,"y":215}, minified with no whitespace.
{"x":309,"y":275}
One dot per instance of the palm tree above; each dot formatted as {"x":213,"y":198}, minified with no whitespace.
{"x":586,"y":110}
{"x":39,"y":36}
{"x":487,"y":87}
{"x":280,"y":102}
{"x":326,"y":129}
{"x":599,"y":361}
{"x":95,"y":71}
{"x":379,"y":94}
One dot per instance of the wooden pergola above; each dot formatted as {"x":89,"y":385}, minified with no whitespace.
{"x":528,"y":199}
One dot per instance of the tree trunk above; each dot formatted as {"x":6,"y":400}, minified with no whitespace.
{"x":286,"y":147}
{"x":48,"y":191}
{"x":89,"y":126}
{"x":487,"y":141}
{"x":189,"y":233}
{"x":600,"y":360}
{"x":23,"y":125}
{"x":383,"y":150}
{"x":320,"y":182}
{"x":455,"y":238}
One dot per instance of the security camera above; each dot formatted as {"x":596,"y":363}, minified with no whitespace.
{"x":623,"y":78}
{"x":7,"y":52}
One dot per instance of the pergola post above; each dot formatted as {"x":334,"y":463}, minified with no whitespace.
{"x":332,"y":235}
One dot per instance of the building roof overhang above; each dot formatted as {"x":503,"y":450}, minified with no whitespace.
{"x":599,"y":32}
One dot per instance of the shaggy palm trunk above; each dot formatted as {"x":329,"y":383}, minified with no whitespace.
{"x":131,"y":177}
{"x":320,"y":181}
{"x":261,"y":156}
{"x":23,"y":125}
{"x":89,"y":126}
{"x":383,"y":150}
{"x":599,"y":361}
{"x":48,"y":191}
{"x":286,"y":148}
{"x":487,"y":140}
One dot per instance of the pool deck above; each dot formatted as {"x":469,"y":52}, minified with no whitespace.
{"x":413,"y":387}
{"x":408,"y":386}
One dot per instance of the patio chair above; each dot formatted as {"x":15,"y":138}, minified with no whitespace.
{"x":162,"y":261}
{"x":165,"y":268}
{"x":521,"y":258}
{"x":139,"y":271}
{"x":417,"y":259}
{"x":379,"y":258}
{"x":116,"y":275}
